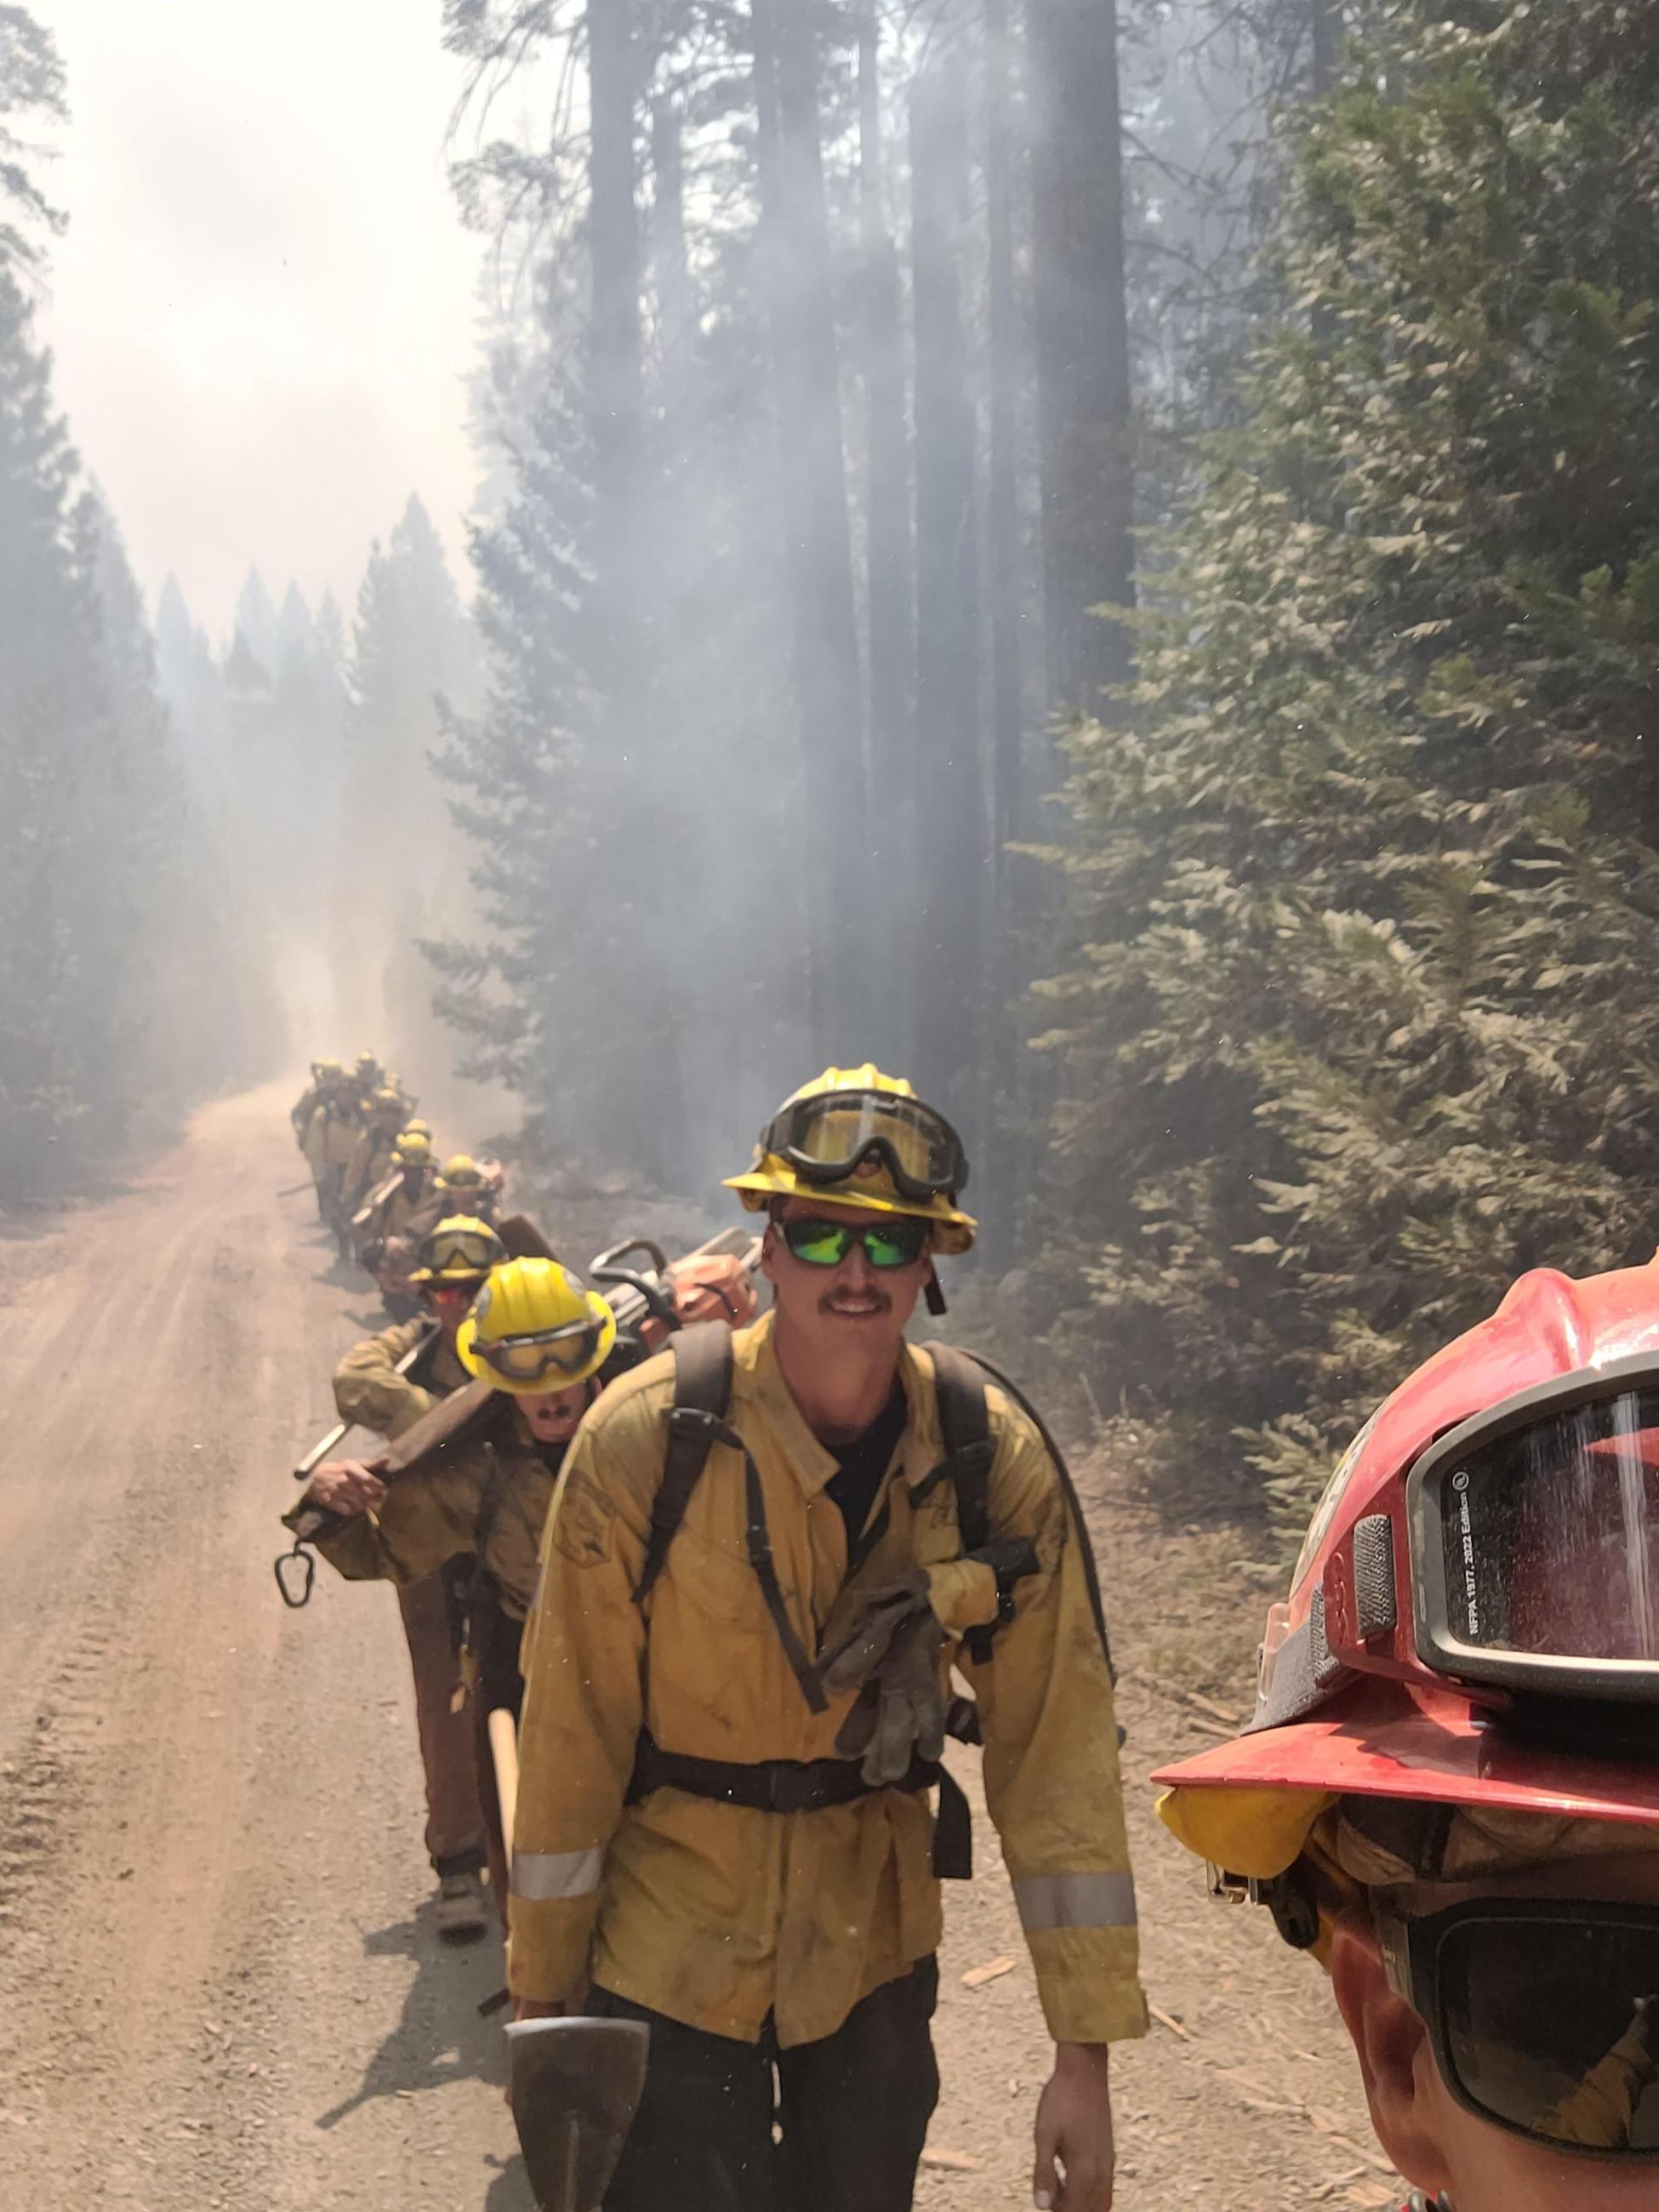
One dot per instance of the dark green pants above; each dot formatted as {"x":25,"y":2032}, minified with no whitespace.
{"x":834,"y":2126}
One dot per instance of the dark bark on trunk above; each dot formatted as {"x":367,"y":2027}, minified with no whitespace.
{"x":950,"y":812}
{"x":798,"y":282}
{"x":1327,"y":39}
{"x":1082,"y":345}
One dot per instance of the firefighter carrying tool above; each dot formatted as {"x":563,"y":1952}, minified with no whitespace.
{"x":574,"y":2084}
{"x":476,"y":1479}
{"x":391,"y":1214}
{"x":1448,"y":1792}
{"x":331,"y":1138}
{"x":387,"y":1385}
{"x":765,"y":1550}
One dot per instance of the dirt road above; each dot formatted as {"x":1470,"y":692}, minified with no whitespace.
{"x":220,"y":1985}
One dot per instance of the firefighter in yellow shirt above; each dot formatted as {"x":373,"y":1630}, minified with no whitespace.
{"x":765,"y":1552}
{"x":371,"y":1159}
{"x":386,"y":1384}
{"x":331,"y":1138}
{"x":539,"y":1340}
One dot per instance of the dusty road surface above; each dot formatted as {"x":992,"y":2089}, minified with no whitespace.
{"x":220,"y":1986}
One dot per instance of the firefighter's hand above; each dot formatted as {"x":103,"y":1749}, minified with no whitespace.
{"x":345,"y":1486}
{"x":1074,"y":2133}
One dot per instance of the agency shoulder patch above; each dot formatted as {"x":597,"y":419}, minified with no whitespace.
{"x":583,"y":1521}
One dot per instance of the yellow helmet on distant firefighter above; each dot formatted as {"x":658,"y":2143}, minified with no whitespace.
{"x":413,"y":1152}
{"x":856,"y":1137}
{"x":461,"y":1249}
{"x":534,"y":1329}
{"x":415,"y":1127}
{"x":462,"y":1172}
{"x":325,"y":1072}
{"x":384,"y":1105}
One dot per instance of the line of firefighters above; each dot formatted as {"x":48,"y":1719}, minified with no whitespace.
{"x":379,"y":1182}
{"x":736,"y":1576}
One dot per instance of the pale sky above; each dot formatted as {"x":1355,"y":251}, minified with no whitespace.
{"x":264,"y":305}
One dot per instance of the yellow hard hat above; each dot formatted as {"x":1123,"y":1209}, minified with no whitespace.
{"x":411,"y":1150}
{"x":328,"y":1071}
{"x":388,"y":1102}
{"x":367,"y":1060}
{"x":461,"y":1249}
{"x":534,"y":1328}
{"x":460,"y":1167}
{"x":856,"y":1137}
{"x":418,"y":1129}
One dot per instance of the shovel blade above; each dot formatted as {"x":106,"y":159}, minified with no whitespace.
{"x":575,"y":2086}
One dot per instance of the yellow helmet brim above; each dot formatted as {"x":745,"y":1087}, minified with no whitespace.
{"x":556,"y":1378}
{"x":954,"y":1231}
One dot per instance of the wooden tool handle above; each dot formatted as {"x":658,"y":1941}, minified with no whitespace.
{"x":504,"y":1753}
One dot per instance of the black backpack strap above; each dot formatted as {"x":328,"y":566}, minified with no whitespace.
{"x":1079,"y":1526}
{"x":964,"y":1421}
{"x":703,"y":1393}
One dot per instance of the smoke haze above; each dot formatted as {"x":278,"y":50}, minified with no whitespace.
{"x":262,"y":310}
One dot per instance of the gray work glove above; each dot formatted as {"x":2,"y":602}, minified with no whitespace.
{"x":889,"y":1654}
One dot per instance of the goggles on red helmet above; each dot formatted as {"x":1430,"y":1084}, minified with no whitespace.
{"x":1529,"y":1535}
{"x":827,"y":1138}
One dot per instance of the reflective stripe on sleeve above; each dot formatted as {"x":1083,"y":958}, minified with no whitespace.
{"x":1075,"y":1900}
{"x":545,"y":1877}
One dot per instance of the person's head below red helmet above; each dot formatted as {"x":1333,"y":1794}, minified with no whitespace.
{"x":1449,"y":1789}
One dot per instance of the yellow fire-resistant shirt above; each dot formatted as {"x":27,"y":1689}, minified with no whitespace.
{"x":331,"y":1138}
{"x":369,"y":1391}
{"x":487,"y":1498}
{"x":370,"y":1163}
{"x":718,"y":1915}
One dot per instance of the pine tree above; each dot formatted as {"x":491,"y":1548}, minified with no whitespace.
{"x":1361,"y":1022}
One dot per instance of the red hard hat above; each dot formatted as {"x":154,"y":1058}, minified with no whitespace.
{"x":1474,"y":1615}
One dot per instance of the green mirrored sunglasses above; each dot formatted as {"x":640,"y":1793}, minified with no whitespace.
{"x":899,"y":1243}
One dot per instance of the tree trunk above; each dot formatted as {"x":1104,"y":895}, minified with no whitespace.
{"x":798,"y":282}
{"x":1327,"y":40}
{"x":677,"y":306}
{"x":1004,"y":1073}
{"x":951,"y":813}
{"x":1087,"y":465}
{"x":615,"y":347}
{"x":624,"y":770}
{"x":889,"y":587}
{"x":1002,"y":491}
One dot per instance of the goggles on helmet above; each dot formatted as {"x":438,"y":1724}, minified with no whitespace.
{"x":563,"y":1351}
{"x":828,"y":1137}
{"x":1533,"y":1535}
{"x":1519,"y":1550}
{"x":460,"y":1252}
{"x":1543,"y":2015}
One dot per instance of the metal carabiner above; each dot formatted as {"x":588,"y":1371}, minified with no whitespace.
{"x":282,"y":1567}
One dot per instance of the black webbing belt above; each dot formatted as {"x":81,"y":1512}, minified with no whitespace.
{"x":807,"y":1785}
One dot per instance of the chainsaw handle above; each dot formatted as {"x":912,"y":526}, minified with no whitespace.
{"x":608,"y":1259}
{"x":659,"y":1307}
